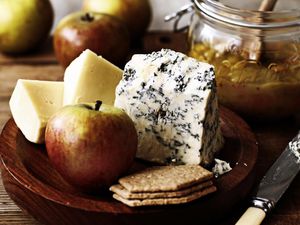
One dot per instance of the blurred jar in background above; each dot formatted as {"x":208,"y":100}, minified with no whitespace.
{"x":256,"y":55}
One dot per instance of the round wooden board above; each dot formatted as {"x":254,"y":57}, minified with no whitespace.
{"x":36,"y":187}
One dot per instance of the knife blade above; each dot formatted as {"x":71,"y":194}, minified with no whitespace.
{"x":273,"y":185}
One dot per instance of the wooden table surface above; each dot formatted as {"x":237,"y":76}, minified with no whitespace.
{"x":272,"y":137}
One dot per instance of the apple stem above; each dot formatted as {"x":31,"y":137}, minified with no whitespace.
{"x":98,"y":105}
{"x":87,"y":17}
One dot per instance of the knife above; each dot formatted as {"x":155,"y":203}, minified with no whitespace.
{"x":274,"y":184}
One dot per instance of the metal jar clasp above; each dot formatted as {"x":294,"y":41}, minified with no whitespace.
{"x":178,"y":15}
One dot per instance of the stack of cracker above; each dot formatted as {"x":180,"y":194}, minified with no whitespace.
{"x":163,"y":185}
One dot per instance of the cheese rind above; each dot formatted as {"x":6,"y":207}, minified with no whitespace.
{"x":32,"y":103}
{"x":172,"y":100}
{"x":89,"y":78}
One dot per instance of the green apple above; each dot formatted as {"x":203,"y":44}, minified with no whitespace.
{"x":135,"y":13}
{"x":103,"y":34}
{"x":24,"y":25}
{"x":91,"y":146}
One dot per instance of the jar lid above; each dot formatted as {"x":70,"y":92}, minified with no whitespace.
{"x":254,"y":5}
{"x":245,"y":14}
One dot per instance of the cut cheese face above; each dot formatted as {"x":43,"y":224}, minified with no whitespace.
{"x":32,"y":103}
{"x":172,"y":100}
{"x":89,"y":78}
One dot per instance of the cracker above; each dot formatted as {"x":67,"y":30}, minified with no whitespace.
{"x":165,"y":178}
{"x":165,"y":201}
{"x":124,"y":193}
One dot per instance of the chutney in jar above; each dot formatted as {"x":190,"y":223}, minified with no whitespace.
{"x":256,"y":57}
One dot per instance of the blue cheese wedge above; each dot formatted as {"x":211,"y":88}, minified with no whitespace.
{"x":172,"y":100}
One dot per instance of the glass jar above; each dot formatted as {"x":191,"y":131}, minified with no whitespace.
{"x":256,"y":55}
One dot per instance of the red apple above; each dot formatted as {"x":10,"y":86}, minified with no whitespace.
{"x":103,"y":34}
{"x":135,"y":13}
{"x":91,"y":147}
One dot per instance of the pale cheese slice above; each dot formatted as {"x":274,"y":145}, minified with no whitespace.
{"x":89,"y":78}
{"x":32,"y":103}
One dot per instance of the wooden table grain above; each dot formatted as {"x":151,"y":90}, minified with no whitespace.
{"x":272,"y":137}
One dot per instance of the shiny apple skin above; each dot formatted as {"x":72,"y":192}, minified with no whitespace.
{"x":105,"y":35}
{"x":137,"y":14}
{"x":90,"y":148}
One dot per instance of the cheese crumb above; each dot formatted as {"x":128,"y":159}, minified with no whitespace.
{"x":294,"y":145}
{"x":221,"y":167}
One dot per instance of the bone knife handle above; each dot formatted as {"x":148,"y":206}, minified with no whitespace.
{"x":252,"y":216}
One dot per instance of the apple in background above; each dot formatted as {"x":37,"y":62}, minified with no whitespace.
{"x":135,"y":13}
{"x":103,"y":34}
{"x":24,"y":25}
{"x":91,"y":146}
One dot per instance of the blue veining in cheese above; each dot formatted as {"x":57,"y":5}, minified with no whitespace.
{"x":172,"y":100}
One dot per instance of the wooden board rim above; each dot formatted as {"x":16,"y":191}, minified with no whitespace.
{"x":12,"y":165}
